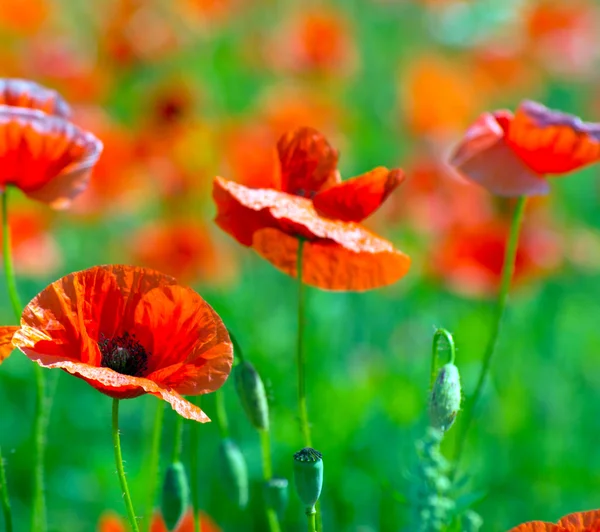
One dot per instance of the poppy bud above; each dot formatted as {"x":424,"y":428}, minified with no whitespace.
{"x":234,"y":472}
{"x":444,"y":402}
{"x":251,"y":390}
{"x":276,"y":494}
{"x":471,"y":521}
{"x":175,"y":495}
{"x":308,"y":475}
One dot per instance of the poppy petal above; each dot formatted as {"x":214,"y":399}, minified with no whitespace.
{"x":483,"y":156}
{"x":45,"y":156}
{"x":308,"y":162}
{"x":6,"y":345}
{"x":110,"y":522}
{"x":369,"y":262}
{"x":590,"y":521}
{"x":357,"y":198}
{"x":537,"y":526}
{"x":552,"y":142}
{"x":24,"y":93}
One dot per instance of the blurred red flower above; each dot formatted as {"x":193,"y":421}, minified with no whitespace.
{"x":110,"y":522}
{"x":128,"y":331}
{"x":576,"y":522}
{"x":43,"y":154}
{"x":311,"y":203}
{"x":24,"y":18}
{"x":511,"y":154}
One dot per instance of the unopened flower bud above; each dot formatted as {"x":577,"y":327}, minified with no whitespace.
{"x":444,"y":402}
{"x":175,"y":495}
{"x":276,"y":494}
{"x":251,"y":391}
{"x":234,"y":472}
{"x":308,"y":476}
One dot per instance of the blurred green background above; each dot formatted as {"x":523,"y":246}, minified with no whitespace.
{"x":186,"y":90}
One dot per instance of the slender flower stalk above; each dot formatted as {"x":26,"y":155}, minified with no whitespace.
{"x":177,"y":439}
{"x":267,"y":467}
{"x":119,"y":464}
{"x":221,"y":415}
{"x":6,"y":509}
{"x":300,"y":358}
{"x":311,"y":522}
{"x":153,"y":462}
{"x":38,"y":516}
{"x":508,"y":269}
{"x":194,"y":480}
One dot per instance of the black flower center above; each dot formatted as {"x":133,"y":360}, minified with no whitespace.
{"x":123,"y":354}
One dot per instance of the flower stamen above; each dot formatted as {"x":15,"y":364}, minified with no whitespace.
{"x":123,"y":354}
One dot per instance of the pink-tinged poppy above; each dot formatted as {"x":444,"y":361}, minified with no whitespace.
{"x":312,"y":204}
{"x":128,"y":331}
{"x":511,"y":155}
{"x":44,"y":155}
{"x":575,"y":522}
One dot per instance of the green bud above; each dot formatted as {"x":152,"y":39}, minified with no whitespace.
{"x":308,"y":476}
{"x":471,"y":521}
{"x":276,"y":494}
{"x":234,"y":472}
{"x":444,"y":402}
{"x":251,"y":391}
{"x":175,"y":495}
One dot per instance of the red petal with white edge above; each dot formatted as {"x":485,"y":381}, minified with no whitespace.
{"x":308,"y":162}
{"x":359,"y":197}
{"x":552,"y":142}
{"x":484,"y":157}
{"x":45,"y":156}
{"x":24,"y":93}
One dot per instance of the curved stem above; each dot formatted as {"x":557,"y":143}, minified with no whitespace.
{"x":311,"y":520}
{"x":120,"y":469}
{"x":9,"y":271}
{"x":300,"y":358}
{"x":439,"y":336}
{"x":194,"y":481}
{"x":507,"y":273}
{"x":177,"y":439}
{"x":5,"y":500}
{"x":153,"y":462}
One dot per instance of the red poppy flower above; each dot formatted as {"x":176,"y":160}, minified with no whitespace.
{"x":312,"y":204}
{"x":510,"y":154}
{"x":576,"y":522}
{"x":128,"y":331}
{"x":110,"y":522}
{"x":44,"y":155}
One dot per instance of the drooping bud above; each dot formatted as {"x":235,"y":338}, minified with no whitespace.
{"x":308,"y":476}
{"x":471,"y":521}
{"x":444,"y":402}
{"x":234,"y":472}
{"x":276,"y":494}
{"x":251,"y":391}
{"x":175,"y":495}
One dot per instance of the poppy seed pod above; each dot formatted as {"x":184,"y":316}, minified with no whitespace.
{"x":308,"y":476}
{"x":175,"y":495}
{"x":234,"y":472}
{"x":276,"y":494}
{"x":251,"y":391}
{"x":444,"y":402}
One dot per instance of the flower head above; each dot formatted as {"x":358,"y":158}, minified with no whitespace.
{"x":128,"y":331}
{"x":41,"y":152}
{"x":110,"y":522}
{"x":510,"y":155}
{"x":575,"y":522}
{"x":312,"y":204}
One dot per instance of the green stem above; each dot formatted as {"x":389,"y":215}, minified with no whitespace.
{"x":267,"y":467}
{"x":194,"y":481}
{"x":439,"y":336}
{"x":177,"y":439}
{"x":300,"y":358}
{"x":119,"y":464}
{"x":221,"y":414}
{"x":153,"y":462}
{"x":5,"y":500}
{"x":508,"y":269}
{"x":311,"y":520}
{"x":38,"y":516}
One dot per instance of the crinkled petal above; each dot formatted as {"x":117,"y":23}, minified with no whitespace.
{"x":366,"y":263}
{"x":120,"y":386}
{"x":6,"y":341}
{"x":308,"y":162}
{"x":537,"y":526}
{"x":359,"y":197}
{"x":47,"y":157}
{"x":24,"y":93}
{"x":484,"y":156}
{"x":552,"y":142}
{"x":590,"y":521}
